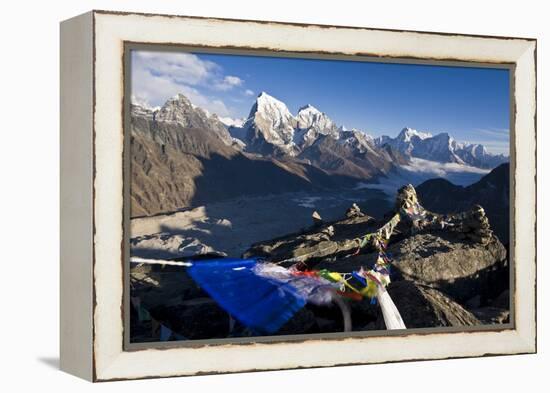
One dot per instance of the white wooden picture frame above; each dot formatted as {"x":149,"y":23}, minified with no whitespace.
{"x":92,"y":195}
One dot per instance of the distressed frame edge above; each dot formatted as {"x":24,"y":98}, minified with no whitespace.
{"x":528,"y":339}
{"x":526,"y":119}
{"x":76,"y":196}
{"x":304,"y":24}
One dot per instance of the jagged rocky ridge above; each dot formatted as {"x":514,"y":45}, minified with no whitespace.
{"x":452,"y":276}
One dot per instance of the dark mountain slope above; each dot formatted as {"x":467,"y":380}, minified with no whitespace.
{"x":333,"y":156}
{"x":492,"y":192}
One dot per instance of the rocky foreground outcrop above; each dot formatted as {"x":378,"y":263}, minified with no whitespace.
{"x":446,"y":271}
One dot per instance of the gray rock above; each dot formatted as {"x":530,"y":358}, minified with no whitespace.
{"x":421,"y":306}
{"x":442,"y":260}
{"x":354,"y":211}
{"x":179,"y":109}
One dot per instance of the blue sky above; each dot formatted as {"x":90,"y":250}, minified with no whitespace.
{"x":471,"y":104}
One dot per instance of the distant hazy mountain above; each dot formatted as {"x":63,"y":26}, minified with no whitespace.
{"x":492,"y":192}
{"x":441,"y":148}
{"x":271,"y":129}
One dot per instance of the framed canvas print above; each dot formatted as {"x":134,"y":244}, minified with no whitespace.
{"x":246,"y":195}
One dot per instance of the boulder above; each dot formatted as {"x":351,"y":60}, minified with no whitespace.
{"x":442,"y":260}
{"x":421,"y":306}
{"x":354,"y":211}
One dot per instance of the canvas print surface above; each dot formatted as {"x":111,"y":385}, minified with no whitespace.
{"x":274,"y":196}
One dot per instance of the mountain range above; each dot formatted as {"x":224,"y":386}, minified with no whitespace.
{"x":182,"y":155}
{"x":271,"y":129}
{"x":441,"y":148}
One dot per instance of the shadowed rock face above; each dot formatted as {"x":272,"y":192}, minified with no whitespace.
{"x":422,"y":306}
{"x":492,"y":192}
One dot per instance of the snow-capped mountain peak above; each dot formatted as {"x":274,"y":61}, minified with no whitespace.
{"x":313,"y":123}
{"x":443,"y":139}
{"x":270,"y":122}
{"x":407,"y":134}
{"x":475,"y":149}
{"x":180,"y":98}
{"x":308,"y":116}
{"x":358,"y":140}
{"x":230,"y":122}
{"x":176,"y":109}
{"x":309,"y":110}
{"x":271,"y":108}
{"x":441,"y":148}
{"x":180,"y":110}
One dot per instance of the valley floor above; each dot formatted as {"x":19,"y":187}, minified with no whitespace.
{"x":230,"y":227}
